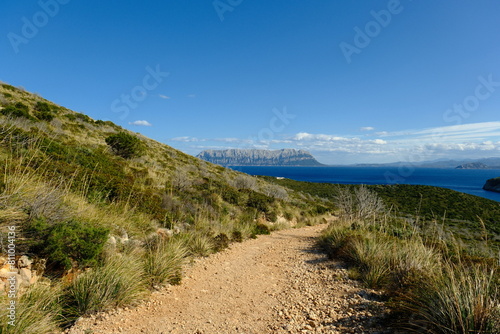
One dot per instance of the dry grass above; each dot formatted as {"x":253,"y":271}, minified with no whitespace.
{"x":459,"y":300}
{"x":119,"y":282}
{"x":200,"y":244}
{"x":38,"y":311}
{"x":441,"y":296}
{"x":163,"y":262}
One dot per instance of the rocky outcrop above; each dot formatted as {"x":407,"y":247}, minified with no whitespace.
{"x":492,"y":185}
{"x":473,"y":165}
{"x":254,"y":157}
{"x":20,"y":276}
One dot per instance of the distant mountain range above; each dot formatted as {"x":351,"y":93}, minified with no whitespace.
{"x":255,"y":157}
{"x":486,"y":163}
{"x":302,"y":158}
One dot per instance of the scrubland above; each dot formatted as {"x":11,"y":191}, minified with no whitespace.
{"x":108,"y":216}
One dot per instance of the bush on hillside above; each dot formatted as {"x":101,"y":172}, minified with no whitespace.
{"x":43,"y":111}
{"x":65,"y":242}
{"x":44,"y":116}
{"x":16,"y":110}
{"x":221,"y":242}
{"x":42,"y":106}
{"x":10,"y":87}
{"x":83,"y":117}
{"x":125,"y":145}
{"x":259,"y":201}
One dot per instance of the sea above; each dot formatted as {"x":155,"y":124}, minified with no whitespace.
{"x":469,"y":181}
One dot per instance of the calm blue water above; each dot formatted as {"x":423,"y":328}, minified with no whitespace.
{"x":469,"y":181}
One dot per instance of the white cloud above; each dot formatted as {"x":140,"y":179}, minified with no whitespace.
{"x":140,"y":123}
{"x":228,"y":140}
{"x":382,"y":133}
{"x":165,"y":97}
{"x":472,"y":131}
{"x":470,"y":139}
{"x":487,"y":146}
{"x":476,"y":140}
{"x":319,"y":137}
{"x":185,"y":139}
{"x":366,"y":128}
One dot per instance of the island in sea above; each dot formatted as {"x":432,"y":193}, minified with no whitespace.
{"x":492,"y":185}
{"x":256,"y":157}
{"x":473,"y":165}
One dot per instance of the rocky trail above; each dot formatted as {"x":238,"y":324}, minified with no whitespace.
{"x":278,"y":283}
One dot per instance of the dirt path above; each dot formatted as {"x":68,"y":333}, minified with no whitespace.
{"x":278,"y":283}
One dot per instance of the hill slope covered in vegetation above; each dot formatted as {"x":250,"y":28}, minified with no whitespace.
{"x":93,"y":217}
{"x":79,"y":193}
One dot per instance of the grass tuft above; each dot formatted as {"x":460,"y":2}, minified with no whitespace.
{"x":460,"y":300}
{"x":37,"y":311}
{"x":119,"y":282}
{"x":163,"y":262}
{"x":200,"y":244}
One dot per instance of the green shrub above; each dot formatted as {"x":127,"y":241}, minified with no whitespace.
{"x":102,"y":123}
{"x":260,"y":229}
{"x":17,"y":110}
{"x":237,"y":236}
{"x":259,"y":201}
{"x":65,"y":242}
{"x":44,"y":116}
{"x":230,"y":195}
{"x":43,"y":111}
{"x":125,"y":145}
{"x":319,"y":210}
{"x":272,"y":216}
{"x":11,"y":88}
{"x":288,"y":215}
{"x":83,"y":117}
{"x":70,"y":116}
{"x":220,"y":242}
{"x":42,"y":106}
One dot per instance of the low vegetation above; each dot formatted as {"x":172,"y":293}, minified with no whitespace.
{"x":113,"y":216}
{"x":117,"y":282}
{"x":473,"y":220}
{"x":434,"y":283}
{"x":37,"y":311}
{"x":125,"y":145}
{"x":107,"y":216}
{"x":64,"y":242}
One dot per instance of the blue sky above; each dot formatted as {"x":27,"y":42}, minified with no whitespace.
{"x":351,"y":81}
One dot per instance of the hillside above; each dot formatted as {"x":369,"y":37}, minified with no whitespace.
{"x":83,"y":193}
{"x":100,"y":217}
{"x":458,"y":212}
{"x":254,"y":157}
